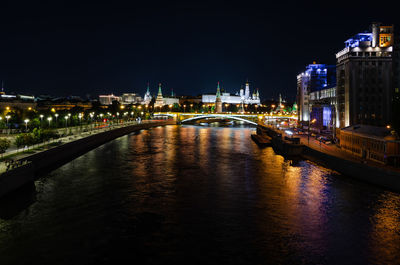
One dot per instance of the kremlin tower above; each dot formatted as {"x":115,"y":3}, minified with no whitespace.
{"x":159,"y":100}
{"x":218,"y":101}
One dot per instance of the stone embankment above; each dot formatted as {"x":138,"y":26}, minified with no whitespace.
{"x":45,"y":161}
{"x":382,"y":176}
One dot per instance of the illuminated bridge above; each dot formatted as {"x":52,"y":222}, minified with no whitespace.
{"x":253,"y":119}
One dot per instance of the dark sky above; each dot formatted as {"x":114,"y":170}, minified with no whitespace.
{"x":75,"y":48}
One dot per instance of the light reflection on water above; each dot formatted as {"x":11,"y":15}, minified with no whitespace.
{"x":200,"y":195}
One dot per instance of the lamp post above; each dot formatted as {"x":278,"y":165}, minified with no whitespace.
{"x":56,"y":115}
{"x":308,"y":134}
{"x":66,"y":121}
{"x":41,"y":119}
{"x":184,"y":108}
{"x":7,"y":117}
{"x":26,"y":124}
{"x":49,"y":119}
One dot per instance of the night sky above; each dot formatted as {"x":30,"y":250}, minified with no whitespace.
{"x":68,"y":48}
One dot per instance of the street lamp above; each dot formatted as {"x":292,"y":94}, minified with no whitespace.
{"x":308,"y":134}
{"x":56,"y":115}
{"x":184,"y":108}
{"x":26,"y":124}
{"x":66,"y":121}
{"x":7,"y":117}
{"x":41,"y":119}
{"x":49,"y":119}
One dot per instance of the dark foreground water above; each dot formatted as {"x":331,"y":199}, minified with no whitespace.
{"x":198,"y":195}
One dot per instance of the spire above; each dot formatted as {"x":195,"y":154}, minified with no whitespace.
{"x":159,"y":90}
{"x":257,"y":94}
{"x":148,"y":88}
{"x":218,"y":91}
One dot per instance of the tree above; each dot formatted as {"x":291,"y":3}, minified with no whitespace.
{"x":4,"y":145}
{"x":19,"y":140}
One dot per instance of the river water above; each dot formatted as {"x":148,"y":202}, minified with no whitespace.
{"x":198,"y":195}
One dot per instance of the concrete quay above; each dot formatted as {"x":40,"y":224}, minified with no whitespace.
{"x":348,"y":165}
{"x":351,"y":166}
{"x":34,"y":165}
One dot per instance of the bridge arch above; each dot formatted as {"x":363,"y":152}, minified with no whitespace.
{"x":164,"y":115}
{"x":233,"y":117}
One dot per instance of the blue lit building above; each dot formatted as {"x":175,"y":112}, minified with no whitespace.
{"x":366,"y":78}
{"x":316,"y":95}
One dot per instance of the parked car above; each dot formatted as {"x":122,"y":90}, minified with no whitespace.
{"x":326,"y":140}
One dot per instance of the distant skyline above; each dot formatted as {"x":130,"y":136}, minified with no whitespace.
{"x":68,"y":48}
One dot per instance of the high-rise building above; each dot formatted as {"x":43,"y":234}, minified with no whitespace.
{"x":396,"y":83}
{"x":365,"y":82}
{"x":312,"y":85}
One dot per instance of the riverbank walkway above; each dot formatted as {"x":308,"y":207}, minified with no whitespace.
{"x":77,"y":133}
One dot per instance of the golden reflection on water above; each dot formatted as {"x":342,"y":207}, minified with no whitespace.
{"x":297,"y":194}
{"x":385,"y":234}
{"x":170,"y":147}
{"x":188,"y":144}
{"x":204,"y":142}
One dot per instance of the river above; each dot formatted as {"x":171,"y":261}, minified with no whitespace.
{"x":198,"y":195}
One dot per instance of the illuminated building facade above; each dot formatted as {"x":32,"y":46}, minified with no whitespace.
{"x":243,"y":97}
{"x":316,"y":98}
{"x":162,"y":101}
{"x":374,"y":143}
{"x":147,"y":97}
{"x":108,"y":99}
{"x":365,"y":81}
{"x":131,"y":98}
